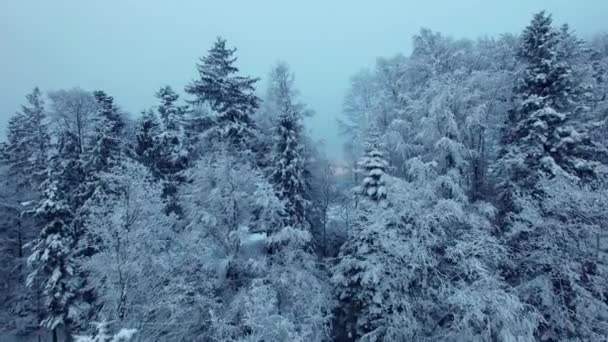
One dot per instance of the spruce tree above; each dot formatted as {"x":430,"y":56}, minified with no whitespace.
{"x":541,"y":138}
{"x":53,"y":257}
{"x":147,"y":132}
{"x":23,"y":159}
{"x":289,"y":161}
{"x":172,"y":116}
{"x":546,"y":147}
{"x":172,"y":152}
{"x":373,"y":166}
{"x":227,"y":93}
{"x":28,"y":142}
{"x":173,"y":156}
{"x":366,"y":308}
{"x":106,"y":141}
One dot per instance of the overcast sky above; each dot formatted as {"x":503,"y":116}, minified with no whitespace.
{"x":130,"y":48}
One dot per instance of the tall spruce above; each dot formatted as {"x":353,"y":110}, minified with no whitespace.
{"x":28,"y":142}
{"x":147,"y":131}
{"x":172,"y":116}
{"x":373,"y":167}
{"x":173,"y":156}
{"x":545,"y":148}
{"x":53,"y":258}
{"x":230,"y":95}
{"x":106,"y":141}
{"x":289,"y":165}
{"x":23,"y":163}
{"x":540,"y":139}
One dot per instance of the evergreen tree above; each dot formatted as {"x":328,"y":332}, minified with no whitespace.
{"x":540,"y":138}
{"x":106,"y":141}
{"x":171,"y":115}
{"x":228,"y":94}
{"x":173,"y":156}
{"x":53,"y":251}
{"x":288,"y":165}
{"x":28,"y":142}
{"x":147,"y":132}
{"x":366,"y":309}
{"x":23,"y":159}
{"x":373,"y":166}
{"x":545,"y":141}
{"x":371,"y":300}
{"x":106,"y":150}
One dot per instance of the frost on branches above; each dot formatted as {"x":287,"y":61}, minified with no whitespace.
{"x":53,"y":261}
{"x":228,"y":94}
{"x":373,"y":167}
{"x":417,"y":262}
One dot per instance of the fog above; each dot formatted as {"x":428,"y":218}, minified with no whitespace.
{"x":131,"y":48}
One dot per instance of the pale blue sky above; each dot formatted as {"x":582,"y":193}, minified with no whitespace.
{"x":130,"y":48}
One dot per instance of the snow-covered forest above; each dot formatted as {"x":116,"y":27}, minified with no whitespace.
{"x":472,"y":203}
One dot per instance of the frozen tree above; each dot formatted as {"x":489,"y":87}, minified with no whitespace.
{"x":106,"y":138}
{"x":325,"y":195}
{"x":288,"y":164}
{"x":28,"y":142}
{"x":23,"y":162}
{"x":148,"y":129}
{"x":543,"y":142}
{"x":52,"y":258}
{"x":372,"y":305}
{"x":373,"y":167}
{"x":540,"y":136}
{"x":72,"y":112}
{"x":227,"y":93}
{"x":436,"y":111}
{"x":408,"y":270}
{"x":269,"y":283}
{"x":173,"y":157}
{"x":222,"y":198}
{"x":359,"y":104}
{"x":132,"y":241}
{"x":172,"y":116}
{"x":163,"y":145}
{"x":558,"y":268}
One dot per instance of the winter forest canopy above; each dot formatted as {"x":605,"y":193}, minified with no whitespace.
{"x":471,"y":206}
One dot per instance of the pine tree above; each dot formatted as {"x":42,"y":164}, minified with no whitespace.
{"x":172,"y":116}
{"x":371,"y":300}
{"x":28,"y":142}
{"x":53,"y":251}
{"x":228,"y":94}
{"x":288,"y":165}
{"x":147,"y":132}
{"x":545,"y":144}
{"x":173,"y":157}
{"x":106,"y":141}
{"x":106,"y":150}
{"x":541,"y":139}
{"x":373,"y":166}
{"x":23,"y":162}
